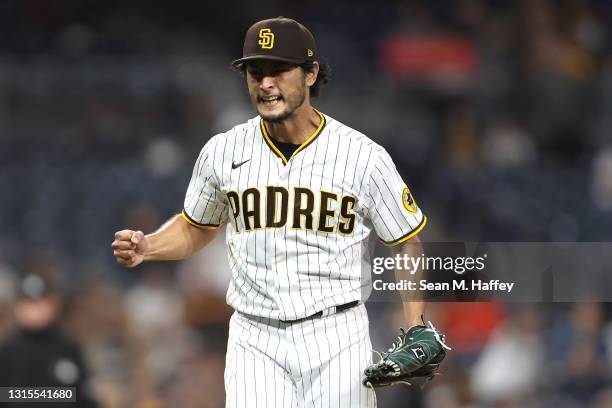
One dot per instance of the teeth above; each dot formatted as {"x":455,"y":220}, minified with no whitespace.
{"x":270,"y":98}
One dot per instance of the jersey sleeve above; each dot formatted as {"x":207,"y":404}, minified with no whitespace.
{"x":390,"y":205}
{"x":205,"y":204}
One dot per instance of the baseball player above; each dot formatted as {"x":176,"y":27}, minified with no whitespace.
{"x":300,"y":193}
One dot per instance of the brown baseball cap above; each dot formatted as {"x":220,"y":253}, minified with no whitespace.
{"x":279,"y":39}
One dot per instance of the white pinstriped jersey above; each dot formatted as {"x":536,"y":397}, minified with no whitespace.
{"x":299,"y":226}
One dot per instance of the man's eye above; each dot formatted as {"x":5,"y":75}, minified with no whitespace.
{"x":271,"y":72}
{"x":283,"y":69}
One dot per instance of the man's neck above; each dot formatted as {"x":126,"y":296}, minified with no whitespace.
{"x":297,"y":128}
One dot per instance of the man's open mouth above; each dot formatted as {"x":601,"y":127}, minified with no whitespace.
{"x":270,"y":100}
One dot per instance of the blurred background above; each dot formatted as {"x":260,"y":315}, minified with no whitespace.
{"x":497,"y":113}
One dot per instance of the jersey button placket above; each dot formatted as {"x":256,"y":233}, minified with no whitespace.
{"x":283,"y":180}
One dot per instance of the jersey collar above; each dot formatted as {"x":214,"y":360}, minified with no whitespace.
{"x":276,"y":151}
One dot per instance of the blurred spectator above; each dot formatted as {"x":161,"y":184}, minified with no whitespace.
{"x":155,"y":313}
{"x":38,"y":354}
{"x":578,"y":355}
{"x":98,"y":319}
{"x":506,"y":145}
{"x":508,"y":370}
{"x":469,"y":325}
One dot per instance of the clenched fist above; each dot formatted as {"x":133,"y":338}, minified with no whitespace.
{"x":129,"y":247}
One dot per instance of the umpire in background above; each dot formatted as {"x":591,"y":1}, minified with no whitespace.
{"x":37,"y":353}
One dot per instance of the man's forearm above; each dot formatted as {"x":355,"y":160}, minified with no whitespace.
{"x":177,"y":239}
{"x":412,"y":301}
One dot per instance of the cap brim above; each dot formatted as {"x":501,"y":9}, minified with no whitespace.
{"x":239,"y":62}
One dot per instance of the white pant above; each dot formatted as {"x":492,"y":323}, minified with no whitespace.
{"x":318,"y":362}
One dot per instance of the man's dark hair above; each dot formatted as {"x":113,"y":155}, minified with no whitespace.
{"x":322,"y":78}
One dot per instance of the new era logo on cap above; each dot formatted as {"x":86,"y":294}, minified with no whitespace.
{"x":280,"y":39}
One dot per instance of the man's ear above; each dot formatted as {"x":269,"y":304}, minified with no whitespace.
{"x":311,"y":76}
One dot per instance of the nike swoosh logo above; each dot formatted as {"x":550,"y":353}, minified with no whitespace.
{"x":235,"y":166}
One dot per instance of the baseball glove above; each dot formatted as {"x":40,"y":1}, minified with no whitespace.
{"x":416,"y":353}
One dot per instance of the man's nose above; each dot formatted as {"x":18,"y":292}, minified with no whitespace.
{"x":267,"y":82}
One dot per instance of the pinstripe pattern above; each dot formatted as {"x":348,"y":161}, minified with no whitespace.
{"x":298,"y":365}
{"x":283,"y":274}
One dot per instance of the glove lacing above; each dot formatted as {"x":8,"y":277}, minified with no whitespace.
{"x":437,"y":336}
{"x":399,"y":342}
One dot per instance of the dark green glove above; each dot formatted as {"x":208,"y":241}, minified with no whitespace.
{"x":416,"y":353}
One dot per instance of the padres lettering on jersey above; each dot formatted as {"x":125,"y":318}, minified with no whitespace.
{"x":299,"y":225}
{"x":254,"y":209}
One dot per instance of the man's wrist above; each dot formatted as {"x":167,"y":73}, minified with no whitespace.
{"x":413,"y":323}
{"x":147,"y":255}
{"x":413,"y":313}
